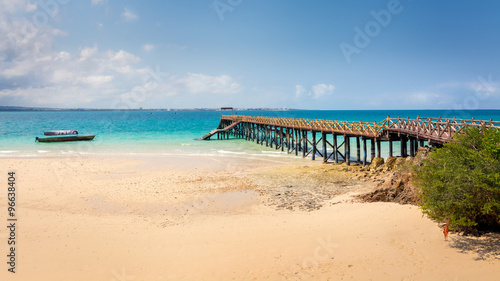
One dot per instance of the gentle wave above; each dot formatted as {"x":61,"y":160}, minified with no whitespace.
{"x":231,"y":152}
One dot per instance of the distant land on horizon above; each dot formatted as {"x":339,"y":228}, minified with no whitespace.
{"x":22,"y":108}
{"x":27,"y":108}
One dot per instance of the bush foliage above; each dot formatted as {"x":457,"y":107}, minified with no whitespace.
{"x":461,"y":180}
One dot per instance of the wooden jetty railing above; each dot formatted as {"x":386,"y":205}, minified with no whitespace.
{"x":296,"y":134}
{"x":217,"y":131}
{"x":436,"y":129}
{"x":342,"y":127}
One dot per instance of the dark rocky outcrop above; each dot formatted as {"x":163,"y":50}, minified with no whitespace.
{"x":396,"y":184}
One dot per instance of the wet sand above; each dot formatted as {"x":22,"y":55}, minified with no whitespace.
{"x":185,"y":218}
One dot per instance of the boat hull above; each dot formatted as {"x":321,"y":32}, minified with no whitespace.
{"x":68,"y":138}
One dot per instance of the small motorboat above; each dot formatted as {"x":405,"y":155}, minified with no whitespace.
{"x":64,"y":135}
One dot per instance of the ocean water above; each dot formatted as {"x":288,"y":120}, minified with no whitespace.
{"x":166,"y":132}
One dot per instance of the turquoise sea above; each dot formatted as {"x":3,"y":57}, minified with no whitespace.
{"x":164,"y":132}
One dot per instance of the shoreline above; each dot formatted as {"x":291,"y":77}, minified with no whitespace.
{"x":92,"y":218}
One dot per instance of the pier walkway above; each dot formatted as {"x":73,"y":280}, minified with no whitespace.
{"x":304,"y":135}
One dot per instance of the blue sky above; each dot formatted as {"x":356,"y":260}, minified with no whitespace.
{"x":407,"y":54}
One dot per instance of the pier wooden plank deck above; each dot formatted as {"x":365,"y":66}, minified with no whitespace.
{"x":298,"y":134}
{"x":217,"y":131}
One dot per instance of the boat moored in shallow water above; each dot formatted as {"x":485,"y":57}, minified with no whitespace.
{"x":64,"y":135}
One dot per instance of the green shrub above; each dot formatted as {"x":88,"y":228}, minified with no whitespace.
{"x":461,"y":180}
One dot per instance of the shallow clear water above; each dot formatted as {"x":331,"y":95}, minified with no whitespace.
{"x":166,"y":132}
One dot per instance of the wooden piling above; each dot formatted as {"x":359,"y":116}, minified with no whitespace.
{"x":403,"y":146}
{"x":358,"y":150}
{"x":372,"y":149}
{"x":335,"y":148}
{"x":313,"y":145}
{"x":347,"y":146}
{"x":267,"y":136}
{"x":304,"y":143}
{"x":325,"y":156}
{"x":390,"y":147}
{"x":289,"y":141}
{"x":282,"y":140}
{"x":297,"y":142}
{"x":412,"y":147}
{"x":293,"y":134}
{"x":379,"y":152}
{"x":364,"y":152}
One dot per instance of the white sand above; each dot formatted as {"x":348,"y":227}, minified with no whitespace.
{"x":190,"y":219}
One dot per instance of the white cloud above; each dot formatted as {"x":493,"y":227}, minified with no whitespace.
{"x":148,"y":47}
{"x":321,"y":90}
{"x":33,"y":73}
{"x":31,"y":7}
{"x":94,"y":80}
{"x":299,"y":91}
{"x":316,"y":91}
{"x":87,"y":53}
{"x":123,"y":58}
{"x":483,"y":85}
{"x":128,"y":15}
{"x":10,"y":6}
{"x":201,"y":83}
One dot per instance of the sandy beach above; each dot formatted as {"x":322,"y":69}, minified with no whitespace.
{"x":187,"y":218}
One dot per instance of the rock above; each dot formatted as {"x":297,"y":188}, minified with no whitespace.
{"x":391,"y":161}
{"x":376,"y":162}
{"x":422,"y":154}
{"x":395,"y":189}
{"x":399,"y":162}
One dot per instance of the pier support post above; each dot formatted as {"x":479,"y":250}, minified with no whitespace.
{"x":314,"y":145}
{"x":412,"y":147}
{"x":257,"y":133}
{"x":358,"y":150}
{"x":297,"y":141}
{"x":379,"y":152}
{"x":364,"y":152}
{"x":372,"y":148}
{"x":306,"y":140}
{"x":262,"y":135}
{"x":335,"y":149}
{"x":422,"y":143}
{"x":267,"y":135}
{"x":272,"y":134}
{"x":347,"y":145}
{"x":390,"y":147}
{"x":275,"y":138}
{"x":304,"y":143}
{"x":282,"y":136}
{"x":325,"y":156}
{"x":403,"y":146}
{"x":288,"y":140}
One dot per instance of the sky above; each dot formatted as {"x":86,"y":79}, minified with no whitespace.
{"x":318,"y":54}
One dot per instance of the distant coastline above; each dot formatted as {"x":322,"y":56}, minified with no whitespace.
{"x":22,"y":108}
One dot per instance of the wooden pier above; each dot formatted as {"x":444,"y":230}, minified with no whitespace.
{"x":331,"y":140}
